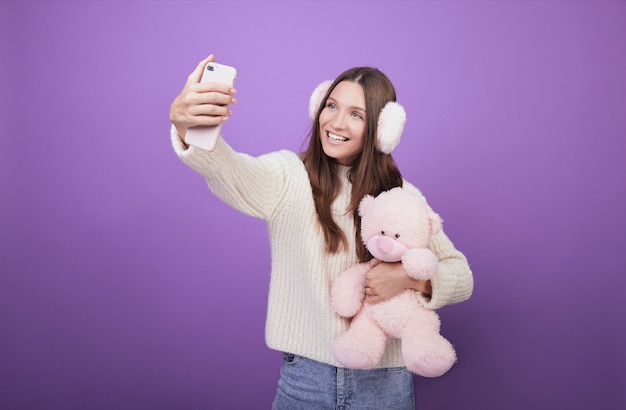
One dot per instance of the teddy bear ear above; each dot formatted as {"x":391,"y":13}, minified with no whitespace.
{"x":435,"y":222}
{"x":364,"y":204}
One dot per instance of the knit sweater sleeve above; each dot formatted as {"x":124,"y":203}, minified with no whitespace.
{"x":252,"y":185}
{"x":453,"y":282}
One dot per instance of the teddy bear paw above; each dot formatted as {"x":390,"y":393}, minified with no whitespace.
{"x":353,"y":359}
{"x":431,"y":366}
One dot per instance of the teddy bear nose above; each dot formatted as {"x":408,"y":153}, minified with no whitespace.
{"x":385,"y":244}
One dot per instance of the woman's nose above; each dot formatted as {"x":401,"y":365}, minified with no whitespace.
{"x":339,"y":121}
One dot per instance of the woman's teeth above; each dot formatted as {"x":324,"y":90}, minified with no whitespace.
{"x":336,"y":137}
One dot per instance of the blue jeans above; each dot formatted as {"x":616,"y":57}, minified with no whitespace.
{"x":309,"y":385}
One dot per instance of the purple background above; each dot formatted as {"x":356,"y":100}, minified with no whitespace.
{"x":126,"y":285}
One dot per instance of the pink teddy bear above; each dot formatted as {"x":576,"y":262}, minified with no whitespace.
{"x":395,"y":226}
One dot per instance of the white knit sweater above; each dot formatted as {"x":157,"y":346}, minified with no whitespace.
{"x":276,"y":188}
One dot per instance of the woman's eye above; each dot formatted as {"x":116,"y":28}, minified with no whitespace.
{"x":332,"y":106}
{"x":357,"y":115}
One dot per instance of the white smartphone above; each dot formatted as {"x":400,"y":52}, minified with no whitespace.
{"x":205,"y":136}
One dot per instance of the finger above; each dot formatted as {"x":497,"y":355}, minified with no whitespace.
{"x":374,"y":299}
{"x":213,"y":87}
{"x":208,"y":120}
{"x":196,"y":74}
{"x":210,"y":110}
{"x":195,"y":97}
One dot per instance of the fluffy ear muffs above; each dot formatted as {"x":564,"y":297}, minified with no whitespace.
{"x":316,"y":98}
{"x":390,"y":126}
{"x":390,"y":122}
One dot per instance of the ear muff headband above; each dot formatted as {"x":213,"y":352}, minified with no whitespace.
{"x":390,"y":122}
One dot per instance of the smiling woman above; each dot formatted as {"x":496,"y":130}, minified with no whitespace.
{"x":310,"y":204}
{"x":125,"y":284}
{"x":342,"y":123}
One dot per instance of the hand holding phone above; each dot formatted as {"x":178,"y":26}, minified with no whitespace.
{"x":205,"y":136}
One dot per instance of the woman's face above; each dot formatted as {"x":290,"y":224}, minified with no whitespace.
{"x":342,"y":123}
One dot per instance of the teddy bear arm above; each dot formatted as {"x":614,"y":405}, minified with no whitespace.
{"x":420,"y":263}
{"x":348,"y":290}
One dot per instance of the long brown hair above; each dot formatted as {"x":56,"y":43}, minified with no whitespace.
{"x":372,"y":173}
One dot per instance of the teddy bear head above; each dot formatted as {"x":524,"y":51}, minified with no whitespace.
{"x":395,"y":221}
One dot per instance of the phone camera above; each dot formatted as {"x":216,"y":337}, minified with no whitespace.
{"x":210,"y":68}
